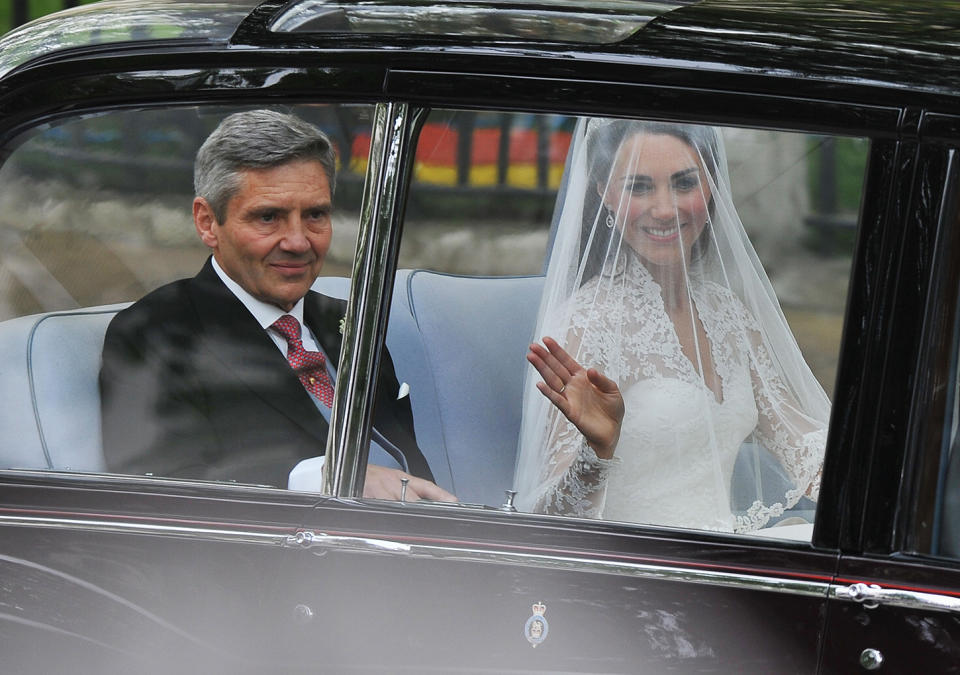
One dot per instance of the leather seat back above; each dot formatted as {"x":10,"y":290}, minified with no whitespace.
{"x":459,"y":342}
{"x":50,"y":418}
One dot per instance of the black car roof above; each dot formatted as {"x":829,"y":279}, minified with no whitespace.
{"x":901,"y":45}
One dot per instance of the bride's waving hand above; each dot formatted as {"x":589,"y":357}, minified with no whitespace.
{"x":591,"y":401}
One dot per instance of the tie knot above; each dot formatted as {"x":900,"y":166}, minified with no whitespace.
{"x":288,"y":327}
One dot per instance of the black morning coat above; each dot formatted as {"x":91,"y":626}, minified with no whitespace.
{"x":192,"y":386}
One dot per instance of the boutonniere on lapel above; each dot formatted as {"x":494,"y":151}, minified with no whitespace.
{"x":343,"y":324}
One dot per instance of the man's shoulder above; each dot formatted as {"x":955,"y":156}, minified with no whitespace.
{"x":324,"y":303}
{"x":166,"y":300}
{"x":160,"y":309}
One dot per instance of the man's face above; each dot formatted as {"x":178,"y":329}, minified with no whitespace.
{"x":276,"y":231}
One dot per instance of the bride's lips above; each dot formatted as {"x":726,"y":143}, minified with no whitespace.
{"x":662,"y":234}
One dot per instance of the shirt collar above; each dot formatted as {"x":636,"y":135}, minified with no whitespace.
{"x":263,"y":312}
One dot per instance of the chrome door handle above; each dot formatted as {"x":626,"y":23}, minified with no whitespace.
{"x":872,"y":596}
{"x":868,"y":595}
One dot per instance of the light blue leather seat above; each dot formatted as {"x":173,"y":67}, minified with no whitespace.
{"x":460,"y":342}
{"x":50,"y":417}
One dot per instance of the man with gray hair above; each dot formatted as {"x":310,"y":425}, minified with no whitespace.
{"x":229,"y":375}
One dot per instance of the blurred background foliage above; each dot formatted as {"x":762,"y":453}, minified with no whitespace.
{"x":15,"y":12}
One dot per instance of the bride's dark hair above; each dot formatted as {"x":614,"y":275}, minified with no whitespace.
{"x":603,"y":144}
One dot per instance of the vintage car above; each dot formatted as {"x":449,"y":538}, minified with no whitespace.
{"x":453,"y":124}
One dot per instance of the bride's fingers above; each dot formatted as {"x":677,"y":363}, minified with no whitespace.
{"x":602,"y":382}
{"x":563,"y":358}
{"x":551,"y":362}
{"x":555,"y":398}
{"x":536,"y":358}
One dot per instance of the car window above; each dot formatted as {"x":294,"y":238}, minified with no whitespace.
{"x":97,"y":215}
{"x":719,"y":350}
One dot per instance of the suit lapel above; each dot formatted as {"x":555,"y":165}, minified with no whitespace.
{"x":231,"y":337}
{"x":322,"y":314}
{"x":245,"y":356}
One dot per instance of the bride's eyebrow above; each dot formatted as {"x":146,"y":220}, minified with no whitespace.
{"x":685,"y":172}
{"x":636,"y":177}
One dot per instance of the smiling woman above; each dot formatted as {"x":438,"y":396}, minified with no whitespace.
{"x":669,"y":351}
{"x":657,"y":198}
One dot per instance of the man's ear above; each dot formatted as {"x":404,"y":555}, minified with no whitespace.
{"x":204,"y":221}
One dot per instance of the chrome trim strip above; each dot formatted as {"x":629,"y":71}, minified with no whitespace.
{"x":306,"y":539}
{"x":369,"y":296}
{"x":540,"y":561}
{"x":119,"y":480}
{"x":636,"y":570}
{"x":872,"y":596}
{"x":206,"y":533}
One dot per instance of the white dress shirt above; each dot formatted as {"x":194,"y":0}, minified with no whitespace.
{"x":307,"y":475}
{"x":266,"y":314}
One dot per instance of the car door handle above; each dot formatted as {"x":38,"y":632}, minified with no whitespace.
{"x":872,"y":596}
{"x":309,"y":539}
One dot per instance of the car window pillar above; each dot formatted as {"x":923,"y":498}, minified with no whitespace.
{"x":371,"y":286}
{"x":926,"y":491}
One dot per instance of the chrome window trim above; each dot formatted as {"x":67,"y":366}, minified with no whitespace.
{"x":370,"y":287}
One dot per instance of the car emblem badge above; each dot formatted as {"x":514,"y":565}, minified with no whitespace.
{"x":536,"y":627}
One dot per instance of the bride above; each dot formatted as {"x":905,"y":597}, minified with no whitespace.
{"x":669,"y":353}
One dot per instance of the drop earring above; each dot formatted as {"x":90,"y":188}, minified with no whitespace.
{"x":610,"y":221}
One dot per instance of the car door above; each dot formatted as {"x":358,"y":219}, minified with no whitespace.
{"x":106,"y":572}
{"x":479,"y":585}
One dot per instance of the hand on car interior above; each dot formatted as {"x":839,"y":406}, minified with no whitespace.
{"x":386,"y":483}
{"x":586,"y":397}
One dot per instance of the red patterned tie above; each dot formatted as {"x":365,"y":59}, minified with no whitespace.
{"x":310,"y":366}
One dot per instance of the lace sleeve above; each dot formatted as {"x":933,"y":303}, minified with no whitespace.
{"x":793,"y":433}
{"x":576,"y":480}
{"x":795,"y":439}
{"x":573,"y":480}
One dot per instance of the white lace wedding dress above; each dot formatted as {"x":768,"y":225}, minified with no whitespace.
{"x":679,"y":442}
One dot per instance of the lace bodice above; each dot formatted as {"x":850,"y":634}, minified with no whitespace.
{"x":679,"y":440}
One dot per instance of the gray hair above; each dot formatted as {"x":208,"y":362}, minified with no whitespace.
{"x":255,"y":139}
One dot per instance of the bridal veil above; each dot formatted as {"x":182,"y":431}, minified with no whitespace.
{"x":651,"y":280}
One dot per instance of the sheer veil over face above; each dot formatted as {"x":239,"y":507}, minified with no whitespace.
{"x":652,"y":281}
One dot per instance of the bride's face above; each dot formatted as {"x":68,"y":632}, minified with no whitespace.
{"x":659,"y":195}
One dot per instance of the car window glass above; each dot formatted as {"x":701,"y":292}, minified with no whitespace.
{"x":490,"y":261}
{"x":97,"y":215}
